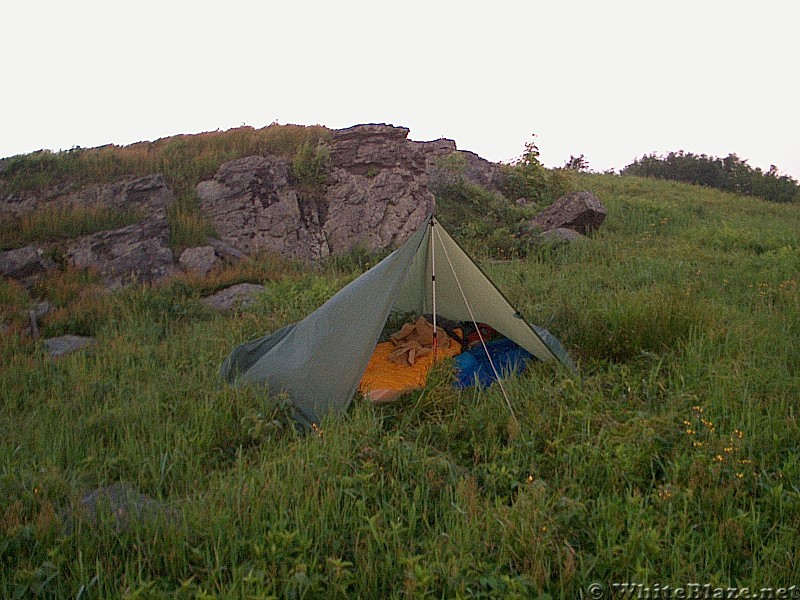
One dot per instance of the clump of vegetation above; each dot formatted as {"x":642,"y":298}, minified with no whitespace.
{"x":309,"y":168}
{"x":55,"y":223}
{"x":492,"y":223}
{"x":527,"y":178}
{"x":731,"y":174}
{"x":577,"y":163}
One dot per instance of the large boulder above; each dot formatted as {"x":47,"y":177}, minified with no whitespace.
{"x":24,"y":262}
{"x":579,"y":211}
{"x":253,"y":206}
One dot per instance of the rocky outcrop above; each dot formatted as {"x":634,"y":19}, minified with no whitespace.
{"x":378,"y":192}
{"x":578,"y":211}
{"x":254,"y":206}
{"x":375,"y":197}
{"x":375,"y":194}
{"x":446,"y":165}
{"x":149,"y":196}
{"x":135,"y":253}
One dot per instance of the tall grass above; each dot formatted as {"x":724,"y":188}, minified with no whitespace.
{"x":57,"y":223}
{"x":670,"y":459}
{"x":184,"y":159}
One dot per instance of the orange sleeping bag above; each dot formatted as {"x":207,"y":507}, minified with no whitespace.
{"x":385,"y":380}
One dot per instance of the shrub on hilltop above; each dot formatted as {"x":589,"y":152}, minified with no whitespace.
{"x":730,"y":174}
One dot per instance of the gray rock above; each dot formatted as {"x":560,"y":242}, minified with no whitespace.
{"x":561,"y":235}
{"x":446,"y":165}
{"x":579,"y":211}
{"x":376,"y":196}
{"x":240,"y":295}
{"x":135,"y":253}
{"x":253,"y":206}
{"x":23,"y":262}
{"x":148,"y":195}
{"x":123,"y":504}
{"x":226,"y":250}
{"x":59,"y":346}
{"x":200,"y":260}
{"x":378,"y":193}
{"x":41,"y":309}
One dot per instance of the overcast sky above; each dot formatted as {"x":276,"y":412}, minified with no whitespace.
{"x":611,"y":80}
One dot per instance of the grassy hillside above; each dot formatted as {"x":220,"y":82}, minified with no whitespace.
{"x":671,"y":459}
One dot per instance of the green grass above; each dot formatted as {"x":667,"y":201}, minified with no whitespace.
{"x":670,"y":459}
{"x":184,"y":160}
{"x":58,"y":223}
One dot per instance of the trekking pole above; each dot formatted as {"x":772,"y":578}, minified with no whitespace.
{"x":433,"y":287}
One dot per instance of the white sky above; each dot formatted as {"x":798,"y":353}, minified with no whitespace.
{"x":611,"y":80}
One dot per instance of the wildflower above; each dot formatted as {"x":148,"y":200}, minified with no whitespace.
{"x":739,"y":475}
{"x":739,"y":434}
{"x":698,"y":409}
{"x":728,"y":449}
{"x":664,"y":492}
{"x":718,"y":458}
{"x":690,"y":432}
{"x":530,"y":478}
{"x":698,"y":444}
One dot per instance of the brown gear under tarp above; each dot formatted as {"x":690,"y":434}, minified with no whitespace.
{"x":402,"y":364}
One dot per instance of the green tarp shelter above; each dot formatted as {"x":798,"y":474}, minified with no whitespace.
{"x":320,"y":360}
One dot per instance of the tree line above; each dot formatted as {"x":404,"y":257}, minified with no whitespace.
{"x":731,"y":174}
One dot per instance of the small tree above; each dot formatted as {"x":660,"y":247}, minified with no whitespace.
{"x":577,"y":163}
{"x":527,"y":178}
